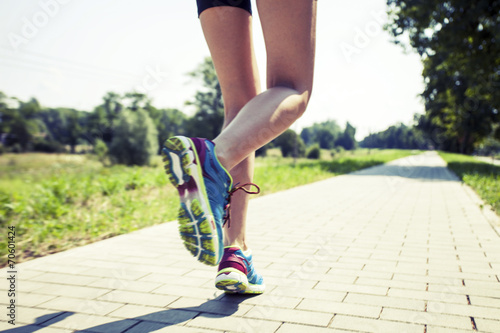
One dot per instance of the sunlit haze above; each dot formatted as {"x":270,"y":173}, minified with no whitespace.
{"x":70,"y":53}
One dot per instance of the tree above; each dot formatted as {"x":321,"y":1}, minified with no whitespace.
{"x":208,"y":119}
{"x":459,"y":44}
{"x":135,"y":139}
{"x":325,"y":134}
{"x":170,"y":122}
{"x":65,"y":126}
{"x":397,"y":136}
{"x":20,"y":126}
{"x":290,"y":144}
{"x":347,"y":140}
{"x":314,"y":152}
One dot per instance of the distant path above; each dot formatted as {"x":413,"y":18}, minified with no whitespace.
{"x":401,"y":247}
{"x":488,"y":160}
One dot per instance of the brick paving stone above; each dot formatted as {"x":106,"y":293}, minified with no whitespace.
{"x":488,"y":325}
{"x":5,"y":327}
{"x":385,"y":301}
{"x":90,"y":323}
{"x":437,"y":329}
{"x":485,"y":301}
{"x":128,"y":285}
{"x":373,"y":325}
{"x":130,"y":297}
{"x":267,"y":299}
{"x":297,"y":328}
{"x":61,"y":278}
{"x":211,"y":306}
{"x":73,"y":291}
{"x":131,"y":311}
{"x":32,"y":315}
{"x":147,"y":326}
{"x":80,"y":305}
{"x":387,"y":249}
{"x":360,"y":310}
{"x":291,"y":316}
{"x":234,"y":324}
{"x":436,"y":319}
{"x":464,"y":310}
{"x":33,"y":299}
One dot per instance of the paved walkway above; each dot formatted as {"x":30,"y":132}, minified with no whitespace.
{"x":490,"y":160}
{"x":402,"y":247}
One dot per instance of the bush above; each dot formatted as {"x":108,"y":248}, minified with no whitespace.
{"x":46,"y":146}
{"x":135,"y":139}
{"x":262,"y":151}
{"x":314,"y":152}
{"x":101,"y":150}
{"x":290,"y":144}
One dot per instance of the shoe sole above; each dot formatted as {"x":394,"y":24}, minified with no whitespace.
{"x":235,"y":282}
{"x":196,"y":221}
{"x":231,"y":282}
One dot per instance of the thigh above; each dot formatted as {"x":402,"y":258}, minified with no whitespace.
{"x":289,"y":28}
{"x":228,"y":32}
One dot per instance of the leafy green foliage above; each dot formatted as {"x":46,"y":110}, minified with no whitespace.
{"x":64,"y":126}
{"x":101,"y":150}
{"x":459,"y":42}
{"x":135,"y":140}
{"x":483,"y":177}
{"x":314,"y":152}
{"x":208,"y":119}
{"x":20,"y":125}
{"x":290,"y":144}
{"x":347,"y":140}
{"x":325,"y":134}
{"x":397,"y":136}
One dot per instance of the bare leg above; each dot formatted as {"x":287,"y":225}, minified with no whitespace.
{"x":289,"y":32}
{"x":252,"y":121}
{"x":228,"y":33}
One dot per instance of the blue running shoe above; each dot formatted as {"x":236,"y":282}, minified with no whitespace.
{"x":237,"y":274}
{"x":203,"y":185}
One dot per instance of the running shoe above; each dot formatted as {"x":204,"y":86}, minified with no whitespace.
{"x":203,"y":185}
{"x":237,"y":274}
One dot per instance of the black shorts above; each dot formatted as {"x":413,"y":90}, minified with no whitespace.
{"x":205,"y":4}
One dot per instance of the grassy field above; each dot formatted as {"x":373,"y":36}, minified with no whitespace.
{"x":483,"y":177}
{"x":57,"y":202}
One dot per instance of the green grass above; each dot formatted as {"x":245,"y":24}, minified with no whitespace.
{"x":57,"y":202}
{"x":483,"y":177}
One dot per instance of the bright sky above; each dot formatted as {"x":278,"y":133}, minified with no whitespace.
{"x":69,"y":53}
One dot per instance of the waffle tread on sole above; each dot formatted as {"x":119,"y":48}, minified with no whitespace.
{"x":175,"y":148}
{"x":231,"y":286}
{"x":196,"y":233}
{"x":194,"y":227}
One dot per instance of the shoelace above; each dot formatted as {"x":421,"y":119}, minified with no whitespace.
{"x":227,"y":217}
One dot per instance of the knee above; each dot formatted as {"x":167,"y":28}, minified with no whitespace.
{"x":302,"y":90}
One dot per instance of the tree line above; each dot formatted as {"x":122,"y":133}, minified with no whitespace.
{"x":130,"y":129}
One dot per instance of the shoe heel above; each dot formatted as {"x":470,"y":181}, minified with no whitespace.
{"x":231,"y":282}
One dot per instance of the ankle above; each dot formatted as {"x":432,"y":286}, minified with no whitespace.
{"x":221,"y":155}
{"x":241,"y":244}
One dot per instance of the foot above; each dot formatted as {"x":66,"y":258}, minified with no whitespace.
{"x":203,"y":185}
{"x":237,"y":274}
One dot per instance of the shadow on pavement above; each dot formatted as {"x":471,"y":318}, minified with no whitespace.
{"x":221,"y":306}
{"x":425,"y":173}
{"x":58,"y":316}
